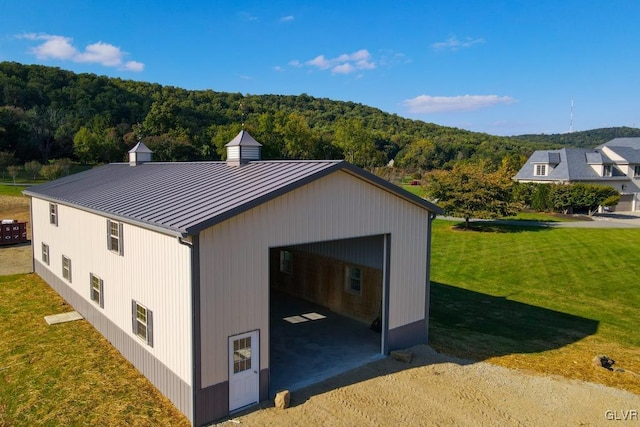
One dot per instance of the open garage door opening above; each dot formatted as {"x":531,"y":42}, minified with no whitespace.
{"x":327,"y":309}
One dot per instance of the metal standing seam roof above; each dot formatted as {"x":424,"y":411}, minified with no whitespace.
{"x":185,"y":198}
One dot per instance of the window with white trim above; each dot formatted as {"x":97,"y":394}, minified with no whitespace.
{"x":114,"y":237}
{"x":636,"y":171}
{"x":96,"y":289}
{"x":142,"y":322}
{"x":66,"y":267}
{"x":286,"y":261}
{"x":45,"y":253}
{"x":53,"y":214}
{"x":354,"y":280}
{"x":540,"y":170}
{"x":607,"y":170}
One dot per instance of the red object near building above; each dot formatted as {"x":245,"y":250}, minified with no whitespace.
{"x":12,"y":231}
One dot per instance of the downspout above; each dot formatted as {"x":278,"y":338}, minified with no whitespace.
{"x":427,"y":298}
{"x":195,"y":325}
{"x":33,"y":250}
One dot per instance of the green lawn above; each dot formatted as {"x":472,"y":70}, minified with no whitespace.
{"x":418,"y":190}
{"x":541,"y":216}
{"x":66,"y":374}
{"x":537,"y":291}
{"x":591,"y":273}
{"x":11,"y":190}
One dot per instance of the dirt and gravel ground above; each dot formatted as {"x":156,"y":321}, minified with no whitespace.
{"x":435,"y":389}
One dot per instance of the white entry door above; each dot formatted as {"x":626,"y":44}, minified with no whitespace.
{"x":244,"y":370}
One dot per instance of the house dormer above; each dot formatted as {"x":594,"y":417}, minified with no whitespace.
{"x":546,"y":163}
{"x":242,"y":149}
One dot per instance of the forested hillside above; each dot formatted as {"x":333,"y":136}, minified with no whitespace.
{"x":583,"y":139}
{"x":48,"y":113}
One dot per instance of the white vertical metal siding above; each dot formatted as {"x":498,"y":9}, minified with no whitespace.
{"x":155,"y":270}
{"x":234,"y":256}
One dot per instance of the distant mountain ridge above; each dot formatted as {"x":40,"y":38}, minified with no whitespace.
{"x":47,"y":112}
{"x":583,"y":139}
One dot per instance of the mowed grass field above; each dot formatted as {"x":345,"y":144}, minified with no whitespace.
{"x":540,"y":299}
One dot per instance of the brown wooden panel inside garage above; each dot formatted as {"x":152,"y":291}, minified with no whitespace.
{"x":323,"y":280}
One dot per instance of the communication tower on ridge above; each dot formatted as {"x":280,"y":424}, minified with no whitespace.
{"x":571,"y":118}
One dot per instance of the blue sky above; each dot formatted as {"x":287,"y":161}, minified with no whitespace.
{"x":501,"y":67}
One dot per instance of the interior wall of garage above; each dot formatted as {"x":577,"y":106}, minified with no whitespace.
{"x":323,"y":280}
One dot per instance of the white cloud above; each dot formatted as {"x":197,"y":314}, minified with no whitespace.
{"x":61,"y":47}
{"x":320,"y":62}
{"x":426,"y":104}
{"x":296,"y":63}
{"x":134,"y":66}
{"x":345,"y":63}
{"x":286,"y":18}
{"x":345,"y":68}
{"x":452,"y":43}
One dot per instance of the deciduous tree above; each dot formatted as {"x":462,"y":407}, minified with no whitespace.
{"x":33,"y":168}
{"x":471,"y":190}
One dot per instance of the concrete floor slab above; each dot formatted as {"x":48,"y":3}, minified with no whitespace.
{"x":315,"y":343}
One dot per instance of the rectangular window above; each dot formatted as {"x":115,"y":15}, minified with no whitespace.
{"x":241,"y":354}
{"x":66,"y":268}
{"x":45,"y":253}
{"x":607,"y":170}
{"x":541,"y":170}
{"x":286,"y":262}
{"x":354,"y":280}
{"x":636,"y":171}
{"x":142,"y":319}
{"x":53,"y":214}
{"x":96,"y":290}
{"x":114,"y":236}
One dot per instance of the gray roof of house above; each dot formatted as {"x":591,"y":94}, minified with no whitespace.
{"x":631,"y":155}
{"x":621,"y":142}
{"x":185,"y":198}
{"x":573,"y":165}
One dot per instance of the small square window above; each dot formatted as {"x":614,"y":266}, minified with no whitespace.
{"x":66,"y":268}
{"x":142,"y":319}
{"x":354,"y":280}
{"x":45,"y":253}
{"x":96,"y":290}
{"x":636,"y":171}
{"x":286,"y":262}
{"x":607,"y":170}
{"x":53,"y":214}
{"x":541,"y":170}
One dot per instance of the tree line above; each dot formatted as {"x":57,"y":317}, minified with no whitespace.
{"x":48,"y":113}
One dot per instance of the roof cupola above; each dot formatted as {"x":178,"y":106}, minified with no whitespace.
{"x":242,"y":149}
{"x":139,"y":154}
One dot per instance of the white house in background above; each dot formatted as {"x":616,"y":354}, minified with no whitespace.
{"x":615,"y":163}
{"x":173,"y":262}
